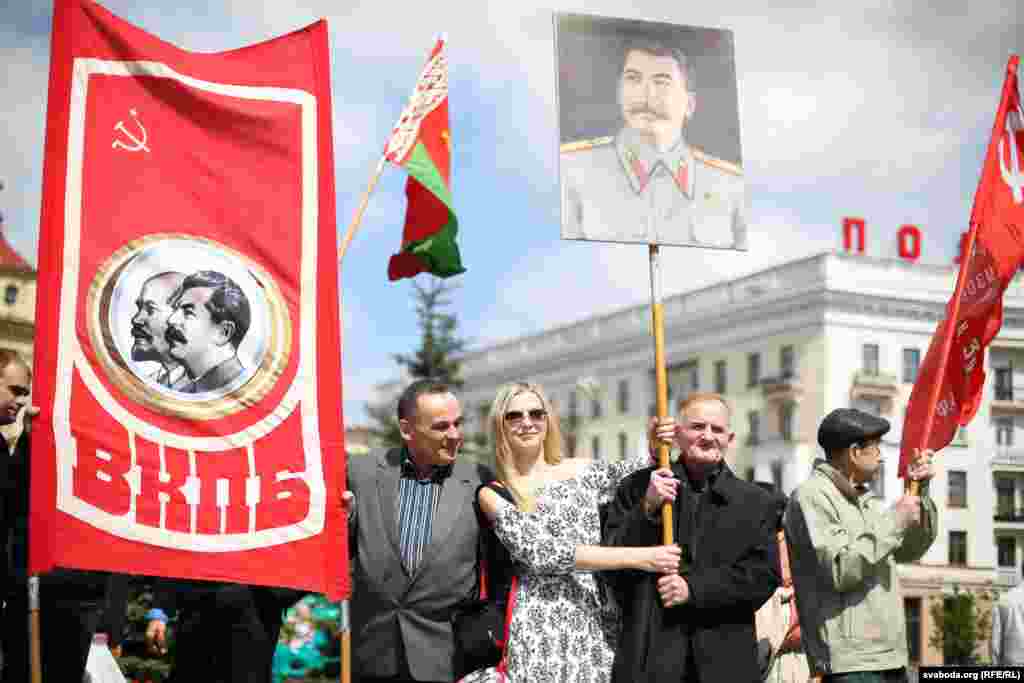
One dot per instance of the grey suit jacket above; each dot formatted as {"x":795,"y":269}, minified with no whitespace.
{"x":394,"y":613}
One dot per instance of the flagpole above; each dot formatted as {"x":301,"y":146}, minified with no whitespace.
{"x":35,"y":652}
{"x":345,"y":632}
{"x":358,"y":218}
{"x":661,"y":380}
{"x":913,"y":487}
{"x":910,"y":486}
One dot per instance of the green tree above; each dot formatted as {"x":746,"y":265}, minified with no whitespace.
{"x":440,"y":345}
{"x":436,"y":357}
{"x":961,"y":621}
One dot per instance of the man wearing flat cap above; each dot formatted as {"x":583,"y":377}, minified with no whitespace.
{"x":844,"y":545}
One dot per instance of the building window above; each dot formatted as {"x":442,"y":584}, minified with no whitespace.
{"x":753,"y":369}
{"x":692,"y":371}
{"x":595,"y":407}
{"x":1006,"y":550}
{"x":870,"y":359}
{"x":958,"y":548}
{"x":1004,"y":499}
{"x":912,"y":612}
{"x":10,"y":294}
{"x":777,"y":474}
{"x":685,"y":377}
{"x":957,"y":489}
{"x":595,"y":447}
{"x":753,"y":428}
{"x":787,"y":419}
{"x":1004,"y":431}
{"x":570,"y":445}
{"x":623,"y":445}
{"x":911,"y":363}
{"x":1004,"y":383}
{"x":787,"y":362}
{"x":623,"y":396}
{"x":721,"y":378}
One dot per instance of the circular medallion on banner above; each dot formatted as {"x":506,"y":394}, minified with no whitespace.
{"x":187,"y":326}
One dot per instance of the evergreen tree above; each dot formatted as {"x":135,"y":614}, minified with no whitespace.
{"x":436,"y":357}
{"x":440,"y":345}
{"x":961,"y":622}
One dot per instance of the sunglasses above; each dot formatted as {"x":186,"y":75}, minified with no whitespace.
{"x":517,"y":416}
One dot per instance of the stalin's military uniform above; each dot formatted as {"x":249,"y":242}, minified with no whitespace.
{"x":622,"y":189}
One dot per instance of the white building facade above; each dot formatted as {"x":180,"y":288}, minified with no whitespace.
{"x":785,"y":346}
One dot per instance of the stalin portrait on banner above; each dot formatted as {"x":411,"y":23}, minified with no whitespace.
{"x":648,"y":183}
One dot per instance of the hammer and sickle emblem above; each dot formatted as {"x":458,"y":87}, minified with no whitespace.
{"x":137,"y":143}
{"x":1012,"y":174}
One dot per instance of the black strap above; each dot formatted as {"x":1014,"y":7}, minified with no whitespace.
{"x":483,"y":528}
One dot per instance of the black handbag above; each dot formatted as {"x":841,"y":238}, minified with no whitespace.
{"x":478,"y":625}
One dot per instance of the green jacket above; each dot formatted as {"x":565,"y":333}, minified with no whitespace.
{"x":844,"y":544}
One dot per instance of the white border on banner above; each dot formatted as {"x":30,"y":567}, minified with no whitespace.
{"x":70,"y":355}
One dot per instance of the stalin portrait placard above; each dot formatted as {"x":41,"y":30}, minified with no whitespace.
{"x":649,"y":133}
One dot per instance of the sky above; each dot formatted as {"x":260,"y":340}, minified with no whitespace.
{"x":880,"y":109}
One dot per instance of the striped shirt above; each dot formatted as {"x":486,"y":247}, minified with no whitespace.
{"x":417,"y":504}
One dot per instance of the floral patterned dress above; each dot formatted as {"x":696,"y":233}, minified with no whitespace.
{"x":564,"y":625}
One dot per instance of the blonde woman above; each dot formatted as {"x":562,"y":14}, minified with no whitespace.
{"x":564,"y":627}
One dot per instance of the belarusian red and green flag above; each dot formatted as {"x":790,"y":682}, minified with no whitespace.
{"x":421,"y":144}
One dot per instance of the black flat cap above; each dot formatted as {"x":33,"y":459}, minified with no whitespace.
{"x":846,"y":426}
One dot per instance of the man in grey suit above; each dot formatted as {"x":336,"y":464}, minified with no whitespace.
{"x":413,"y":538}
{"x":1007,"y":641}
{"x":647,"y":183}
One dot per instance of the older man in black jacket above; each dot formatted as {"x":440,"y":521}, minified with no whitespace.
{"x":697,"y":625}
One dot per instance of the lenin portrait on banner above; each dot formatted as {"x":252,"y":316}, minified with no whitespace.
{"x":649,"y":133}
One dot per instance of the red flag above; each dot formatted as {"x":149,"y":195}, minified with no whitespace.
{"x":188,"y":353}
{"x":948,"y":389}
{"x":421,"y":144}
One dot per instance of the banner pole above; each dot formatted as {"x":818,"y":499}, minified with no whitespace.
{"x":35,"y":652}
{"x":358,"y":218}
{"x":911,"y":487}
{"x":661,"y":380}
{"x":345,"y":632}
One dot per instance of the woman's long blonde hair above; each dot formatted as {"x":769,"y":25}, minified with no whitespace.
{"x":504,"y":460}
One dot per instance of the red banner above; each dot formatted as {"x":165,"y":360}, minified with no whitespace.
{"x":948,"y":389}
{"x":188,"y":350}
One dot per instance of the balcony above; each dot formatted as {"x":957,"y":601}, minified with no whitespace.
{"x":1007,"y":402}
{"x":1007,"y":577}
{"x":1008,"y":456}
{"x":1008,"y":513}
{"x":876,"y":386}
{"x":771,"y":450}
{"x":785,"y":387}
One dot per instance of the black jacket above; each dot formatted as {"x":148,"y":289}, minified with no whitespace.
{"x":97,"y":589}
{"x":731,"y":570}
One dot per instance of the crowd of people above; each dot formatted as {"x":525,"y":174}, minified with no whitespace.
{"x":597,"y":595}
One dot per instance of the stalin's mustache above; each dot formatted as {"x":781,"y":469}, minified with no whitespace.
{"x":640,"y":109}
{"x":140,"y":333}
{"x":173,"y":334}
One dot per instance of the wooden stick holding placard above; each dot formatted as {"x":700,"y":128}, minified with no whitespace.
{"x":661,"y":380}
